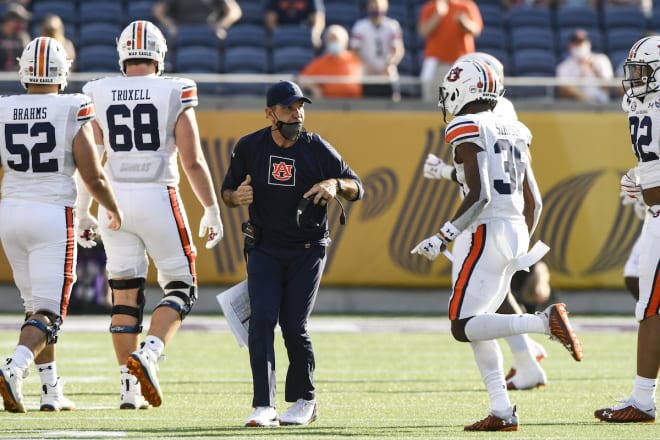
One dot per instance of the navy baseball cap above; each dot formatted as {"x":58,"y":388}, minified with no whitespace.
{"x":285,"y":93}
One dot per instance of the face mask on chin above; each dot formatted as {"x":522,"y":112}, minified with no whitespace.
{"x":582,"y":51}
{"x":334,"y":47}
{"x":290,"y":130}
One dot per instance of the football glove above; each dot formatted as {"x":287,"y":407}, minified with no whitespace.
{"x":429,"y":247}
{"x":630,"y":185}
{"x":212,"y":222}
{"x":436,"y":168}
{"x":86,"y":226}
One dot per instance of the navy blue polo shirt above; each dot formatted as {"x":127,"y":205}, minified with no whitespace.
{"x":280,"y":177}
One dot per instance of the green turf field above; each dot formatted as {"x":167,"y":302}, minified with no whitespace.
{"x":385,"y":384}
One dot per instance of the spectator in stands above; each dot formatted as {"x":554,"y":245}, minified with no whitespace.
{"x":337,"y":61}
{"x":582,"y":64}
{"x":645,"y":5}
{"x":449,"y":28}
{"x":300,"y":12}
{"x":53,"y":26}
{"x":220,"y":15}
{"x":13,"y":36}
{"x":378,"y":41}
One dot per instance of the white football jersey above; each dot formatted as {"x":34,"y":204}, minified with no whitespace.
{"x":644,"y":120}
{"x":137,"y":116}
{"x":506,"y":142}
{"x":375,"y":45}
{"x":36,"y":145}
{"x":505,"y":109}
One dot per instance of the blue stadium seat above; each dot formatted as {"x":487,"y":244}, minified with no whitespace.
{"x":94,"y":34}
{"x":98,"y":59}
{"x":619,"y":39}
{"x":617,"y":58}
{"x":197,"y":59}
{"x":195,"y":35}
{"x":399,"y":12}
{"x":532,"y":62}
{"x":246,"y":35}
{"x":291,"y":35}
{"x":252,"y":13}
{"x":344,"y":14}
{"x":139,"y":10}
{"x":654,"y":21}
{"x":65,"y":9}
{"x":492,"y":38}
{"x":492,"y":16}
{"x":408,"y":65}
{"x":530,"y":16}
{"x":246,"y":59}
{"x":572,"y":17}
{"x":623,"y":17}
{"x":101,"y":12}
{"x":291,"y":59}
{"x":532,"y":38}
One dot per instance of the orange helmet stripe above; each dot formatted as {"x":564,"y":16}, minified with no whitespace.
{"x":42,"y":53}
{"x":139,"y":32}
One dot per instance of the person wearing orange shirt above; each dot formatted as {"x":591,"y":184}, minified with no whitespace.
{"x":337,"y":61}
{"x":449,"y":28}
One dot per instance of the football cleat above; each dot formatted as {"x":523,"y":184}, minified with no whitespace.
{"x":303,"y":412}
{"x":494,"y":423}
{"x":627,"y":412}
{"x":263,"y":416}
{"x":521,"y":378}
{"x":556,"y":318}
{"x":52,"y":398}
{"x":143,"y":364}
{"x":131,"y":394}
{"x":11,"y":387}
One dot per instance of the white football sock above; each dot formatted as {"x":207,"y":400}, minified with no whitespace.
{"x":154,"y":344}
{"x":22,"y":357}
{"x":47,"y":373}
{"x":644,"y":392}
{"x":489,"y":360}
{"x":495,"y":326}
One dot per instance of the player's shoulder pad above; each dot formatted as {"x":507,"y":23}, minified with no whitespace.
{"x":462,"y":129}
{"x":180,"y":80}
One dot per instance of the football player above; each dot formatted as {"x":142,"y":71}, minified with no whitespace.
{"x":526,"y":372}
{"x":46,"y":137}
{"x":491,"y":229}
{"x":145,"y":122}
{"x":642,"y":103}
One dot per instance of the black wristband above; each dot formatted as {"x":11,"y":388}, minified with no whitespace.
{"x":340,"y":186}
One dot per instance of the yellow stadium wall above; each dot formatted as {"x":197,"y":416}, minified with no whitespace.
{"x":578,"y":160}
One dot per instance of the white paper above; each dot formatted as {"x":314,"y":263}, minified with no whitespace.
{"x":235,"y":304}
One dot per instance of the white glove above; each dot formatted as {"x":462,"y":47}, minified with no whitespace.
{"x":212,"y":222}
{"x":641,"y":208}
{"x":630,"y":186}
{"x":436,"y":168}
{"x":429,"y":247}
{"x":86,"y":226}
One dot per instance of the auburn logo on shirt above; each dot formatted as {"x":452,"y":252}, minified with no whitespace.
{"x":282,"y":171}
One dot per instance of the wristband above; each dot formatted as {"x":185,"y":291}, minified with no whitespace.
{"x":448,"y":233}
{"x":446,"y":171}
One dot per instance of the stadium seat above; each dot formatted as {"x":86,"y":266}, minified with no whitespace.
{"x":291,"y":35}
{"x":654,"y":21}
{"x":94,"y":34}
{"x":619,"y":39}
{"x":195,"y":35}
{"x":65,"y":9}
{"x":617,"y":58}
{"x":577,"y":17}
{"x":139,"y":10}
{"x":492,"y":16}
{"x":252,"y":13}
{"x":246,"y":59}
{"x":101,"y":58}
{"x":399,"y":12}
{"x":623,"y":17}
{"x":492,"y":38}
{"x":533,"y":62}
{"x":529,"y":16}
{"x":246,"y":35}
{"x":408,"y":65}
{"x":197,"y":59}
{"x":344,"y":14}
{"x":532,"y":38}
{"x":109,"y":11}
{"x":291,"y":59}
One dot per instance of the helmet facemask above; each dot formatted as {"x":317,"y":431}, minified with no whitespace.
{"x":639,"y":79}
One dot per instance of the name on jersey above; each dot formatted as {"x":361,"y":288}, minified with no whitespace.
{"x":507,"y":130}
{"x":131,"y":95}
{"x":29,"y":113}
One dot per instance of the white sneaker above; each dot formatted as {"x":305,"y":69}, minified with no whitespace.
{"x":11,"y":387}
{"x":263,"y":416}
{"x":52,"y":398}
{"x":131,"y":393}
{"x":143,"y":364}
{"x":302,"y":412}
